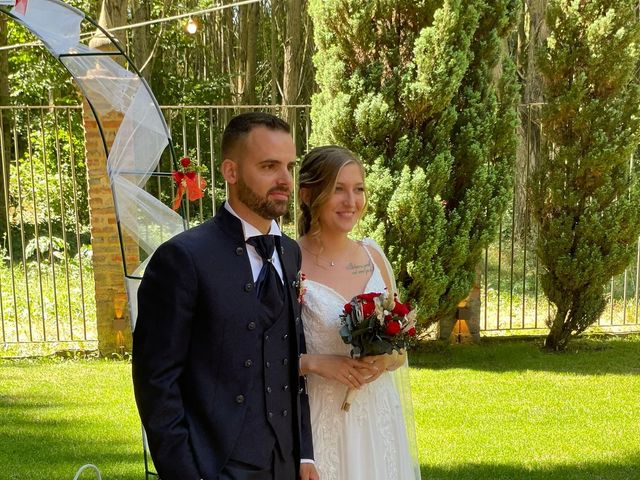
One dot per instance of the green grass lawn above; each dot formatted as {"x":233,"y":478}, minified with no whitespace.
{"x":501,"y":410}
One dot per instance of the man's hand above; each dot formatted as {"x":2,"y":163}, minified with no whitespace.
{"x":308,"y":472}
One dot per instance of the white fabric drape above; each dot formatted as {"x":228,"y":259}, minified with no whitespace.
{"x":141,"y":139}
{"x":401,"y":378}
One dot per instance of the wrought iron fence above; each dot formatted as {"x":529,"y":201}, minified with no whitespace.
{"x":197,"y":131}
{"x":46,"y":281}
{"x":46,"y":278}
{"x":511,"y":296}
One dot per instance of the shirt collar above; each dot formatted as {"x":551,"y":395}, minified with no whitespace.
{"x":248,"y":229}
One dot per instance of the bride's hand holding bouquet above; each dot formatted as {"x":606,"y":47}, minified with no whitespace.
{"x":379,"y":328}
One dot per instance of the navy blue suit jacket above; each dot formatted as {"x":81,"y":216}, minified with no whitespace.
{"x":192,"y":339}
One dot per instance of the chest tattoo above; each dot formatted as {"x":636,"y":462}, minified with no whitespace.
{"x":360,"y":268}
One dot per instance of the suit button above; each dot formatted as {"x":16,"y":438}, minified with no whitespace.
{"x":285,"y":361}
{"x":270,"y":414}
{"x":240,"y":399}
{"x":285,"y":336}
{"x":268,"y":364}
{"x":251,"y":325}
{"x":268,"y":389}
{"x":248,"y":363}
{"x":284,"y":413}
{"x":239,"y":251}
{"x":248,"y":287}
{"x":285,"y":388}
{"x":266,"y":338}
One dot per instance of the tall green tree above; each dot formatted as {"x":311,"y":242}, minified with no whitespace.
{"x":585,"y":193}
{"x":425,"y":94}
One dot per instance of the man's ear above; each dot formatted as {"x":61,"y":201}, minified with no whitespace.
{"x":229,"y":170}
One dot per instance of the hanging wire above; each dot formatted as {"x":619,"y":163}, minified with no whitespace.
{"x":145,"y":23}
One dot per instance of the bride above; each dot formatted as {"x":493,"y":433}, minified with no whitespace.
{"x":375,"y":439}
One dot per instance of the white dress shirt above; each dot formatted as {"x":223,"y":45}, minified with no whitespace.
{"x":254,"y":257}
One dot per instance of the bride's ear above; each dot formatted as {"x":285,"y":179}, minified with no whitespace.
{"x":305,"y":195}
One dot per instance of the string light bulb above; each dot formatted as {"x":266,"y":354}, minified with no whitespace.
{"x":192,"y":26}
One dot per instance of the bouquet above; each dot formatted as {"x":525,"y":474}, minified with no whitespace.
{"x":376,"y":324}
{"x":189,"y":180}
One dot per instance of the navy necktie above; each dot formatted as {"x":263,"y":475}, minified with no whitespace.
{"x":268,"y":285}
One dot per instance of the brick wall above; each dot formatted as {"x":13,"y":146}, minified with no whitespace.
{"x":114,"y":335}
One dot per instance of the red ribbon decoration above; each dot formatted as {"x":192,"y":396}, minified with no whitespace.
{"x":190,"y":183}
{"x":21,"y":6}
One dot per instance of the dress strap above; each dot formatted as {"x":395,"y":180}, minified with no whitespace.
{"x":386,"y":267}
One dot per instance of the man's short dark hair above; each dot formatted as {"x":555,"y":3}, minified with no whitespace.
{"x":242,"y":124}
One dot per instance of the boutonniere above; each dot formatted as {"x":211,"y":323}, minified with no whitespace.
{"x":301,"y":289}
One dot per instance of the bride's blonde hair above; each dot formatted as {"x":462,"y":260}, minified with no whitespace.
{"x":318,"y":173}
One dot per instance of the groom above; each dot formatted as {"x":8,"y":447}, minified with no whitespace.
{"x":218,"y":335}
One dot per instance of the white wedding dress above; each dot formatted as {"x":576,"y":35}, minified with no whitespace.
{"x":369,"y":442}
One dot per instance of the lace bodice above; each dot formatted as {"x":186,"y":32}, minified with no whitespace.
{"x":321,"y":310}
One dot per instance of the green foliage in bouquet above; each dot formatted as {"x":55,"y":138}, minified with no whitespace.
{"x":424,"y":92}
{"x":585,"y":192}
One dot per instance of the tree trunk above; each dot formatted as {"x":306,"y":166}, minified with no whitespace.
{"x":531,"y":144}
{"x":559,"y":333}
{"x":252,"y":21}
{"x":228,"y":53}
{"x":241,"y":53}
{"x":112,"y":14}
{"x":307,"y":72}
{"x":273,"y":52}
{"x":5,"y":122}
{"x":292,"y":56}
{"x":141,"y":45}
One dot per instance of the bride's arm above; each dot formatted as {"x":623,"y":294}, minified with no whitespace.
{"x":351,"y":372}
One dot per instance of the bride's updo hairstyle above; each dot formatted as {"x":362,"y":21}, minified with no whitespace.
{"x":318,"y":174}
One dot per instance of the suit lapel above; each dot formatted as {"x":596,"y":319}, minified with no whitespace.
{"x":287,"y":261}
{"x":232,"y":227}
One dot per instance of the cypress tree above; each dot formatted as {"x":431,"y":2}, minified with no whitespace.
{"x":423,"y":92}
{"x":585,"y":193}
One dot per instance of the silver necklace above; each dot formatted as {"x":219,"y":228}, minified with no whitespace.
{"x":329,"y":262}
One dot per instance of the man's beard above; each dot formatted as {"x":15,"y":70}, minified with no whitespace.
{"x":270,"y":209}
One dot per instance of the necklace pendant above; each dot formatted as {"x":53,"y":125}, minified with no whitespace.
{"x":333,"y":264}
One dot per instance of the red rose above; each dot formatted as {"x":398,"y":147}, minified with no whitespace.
{"x":411,"y":332}
{"x":347,"y":308}
{"x":392,"y":328}
{"x":185,"y":161}
{"x":400,"y":309}
{"x":368,"y":307}
{"x":368,"y":296}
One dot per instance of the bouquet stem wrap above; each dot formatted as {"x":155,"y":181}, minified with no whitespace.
{"x":349,"y":398}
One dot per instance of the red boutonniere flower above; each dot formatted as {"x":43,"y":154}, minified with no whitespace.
{"x":189,"y":180}
{"x":300,"y":287}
